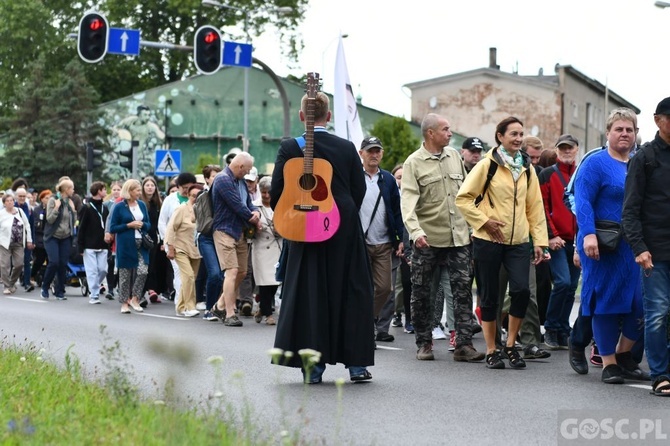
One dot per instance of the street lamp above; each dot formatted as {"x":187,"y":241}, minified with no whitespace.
{"x":245,"y":13}
{"x":323,"y":53}
{"x":662,"y":5}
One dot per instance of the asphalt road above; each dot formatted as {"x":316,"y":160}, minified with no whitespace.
{"x":407,"y":402}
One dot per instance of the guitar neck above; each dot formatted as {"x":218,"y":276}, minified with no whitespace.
{"x":309,"y":137}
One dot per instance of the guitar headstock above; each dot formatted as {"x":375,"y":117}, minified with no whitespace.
{"x":312,"y":85}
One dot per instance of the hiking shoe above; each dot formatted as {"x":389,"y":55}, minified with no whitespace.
{"x":425,"y":353}
{"x":515,"y":359}
{"x":232,"y":321}
{"x":595,"y":358}
{"x":384,"y":337}
{"x":467,"y":353}
{"x":209,"y":316}
{"x":246,"y":309}
{"x":535,"y":352}
{"x":220,"y":314}
{"x":612,"y":374}
{"x":452,"y":341}
{"x":630,"y":368}
{"x":409,"y":329}
{"x":577,"y":358}
{"x":438,"y":333}
{"x":94,"y":300}
{"x":397,"y":320}
{"x":494,"y":360}
{"x":551,"y":340}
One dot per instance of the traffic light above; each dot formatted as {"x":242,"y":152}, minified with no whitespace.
{"x":207,"y":48}
{"x":93,"y":37}
{"x":93,"y":157}
{"x":128,"y":153}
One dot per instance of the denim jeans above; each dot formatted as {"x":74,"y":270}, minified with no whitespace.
{"x":566,"y":278}
{"x":656,"y":306}
{"x":58,"y":253}
{"x":214,"y":284}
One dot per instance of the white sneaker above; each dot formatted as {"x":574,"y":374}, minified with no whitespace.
{"x":94,"y":301}
{"x":201,"y":306}
{"x":191,"y":313}
{"x":438,"y":333}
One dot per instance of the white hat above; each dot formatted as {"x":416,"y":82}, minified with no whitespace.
{"x":252,"y":175}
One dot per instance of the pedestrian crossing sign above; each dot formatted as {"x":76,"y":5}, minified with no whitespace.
{"x":168,"y":162}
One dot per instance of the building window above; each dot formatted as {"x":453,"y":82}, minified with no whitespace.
{"x":575,"y":110}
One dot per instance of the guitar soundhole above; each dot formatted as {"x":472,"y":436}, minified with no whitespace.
{"x":315,"y":185}
{"x":307,"y":181}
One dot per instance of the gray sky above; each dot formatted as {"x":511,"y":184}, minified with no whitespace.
{"x":617,"y":42}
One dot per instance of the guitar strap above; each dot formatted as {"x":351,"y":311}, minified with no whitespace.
{"x":301,"y":139}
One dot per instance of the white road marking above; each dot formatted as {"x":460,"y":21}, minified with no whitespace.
{"x":383,"y":347}
{"x":28,"y":300}
{"x":177,"y":318}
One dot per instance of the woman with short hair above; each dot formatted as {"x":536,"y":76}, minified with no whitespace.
{"x":267,"y":246}
{"x":58,"y":235}
{"x":15,"y":236}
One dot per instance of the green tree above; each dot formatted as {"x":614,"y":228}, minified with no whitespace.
{"x":27,"y":31}
{"x":54,"y":118}
{"x":398,"y":139}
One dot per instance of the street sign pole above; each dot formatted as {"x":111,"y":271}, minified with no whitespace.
{"x":245,"y":143}
{"x":89,"y":181}
{"x":135,"y":145}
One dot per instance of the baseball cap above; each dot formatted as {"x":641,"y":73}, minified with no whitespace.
{"x":370,"y":142}
{"x":663,"y":107}
{"x":473,"y":144}
{"x":567,"y":139}
{"x":252,"y":175}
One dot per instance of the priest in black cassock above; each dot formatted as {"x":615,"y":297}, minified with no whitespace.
{"x":327,"y":292}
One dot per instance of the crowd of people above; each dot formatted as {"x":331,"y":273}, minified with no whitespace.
{"x":519,"y":223}
{"x":134,"y":245}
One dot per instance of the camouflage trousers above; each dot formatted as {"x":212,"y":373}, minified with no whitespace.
{"x":425,"y":263}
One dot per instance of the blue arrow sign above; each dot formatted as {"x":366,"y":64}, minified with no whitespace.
{"x":124,"y":41}
{"x":168,"y":162}
{"x":237,"y":54}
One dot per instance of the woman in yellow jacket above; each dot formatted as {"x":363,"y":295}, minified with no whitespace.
{"x":503,"y":214}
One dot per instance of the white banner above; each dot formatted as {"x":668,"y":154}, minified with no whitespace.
{"x":347,"y":121}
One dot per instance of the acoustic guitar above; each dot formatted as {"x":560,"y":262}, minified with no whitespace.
{"x":306,"y":210}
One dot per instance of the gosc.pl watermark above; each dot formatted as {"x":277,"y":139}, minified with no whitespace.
{"x":596,"y":427}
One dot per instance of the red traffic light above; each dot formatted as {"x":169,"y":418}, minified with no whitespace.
{"x":96,"y":24}
{"x":92,"y":37}
{"x":207,"y":46}
{"x":211,"y":37}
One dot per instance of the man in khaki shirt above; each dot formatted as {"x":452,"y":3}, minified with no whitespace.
{"x":432,"y":176}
